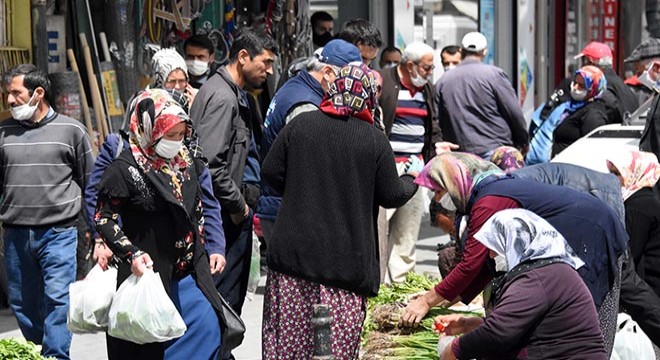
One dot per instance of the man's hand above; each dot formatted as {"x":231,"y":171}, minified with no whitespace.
{"x":238,"y":218}
{"x":102,"y":253}
{"x":217,"y":263}
{"x":444,"y":146}
{"x":141,"y":263}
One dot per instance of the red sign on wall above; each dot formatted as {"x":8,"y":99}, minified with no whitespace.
{"x":609,"y":29}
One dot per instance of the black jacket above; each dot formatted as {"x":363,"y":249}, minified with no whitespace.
{"x":578,"y":124}
{"x":650,"y":140}
{"x":388,"y":102}
{"x":225,"y":118}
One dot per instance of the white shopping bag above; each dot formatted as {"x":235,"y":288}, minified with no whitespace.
{"x":630,"y":342}
{"x":90,"y":300}
{"x":141,"y":311}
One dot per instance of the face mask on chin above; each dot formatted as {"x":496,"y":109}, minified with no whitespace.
{"x":25,"y":111}
{"x":197,"y":67}
{"x":168,"y":148}
{"x":418,"y":81}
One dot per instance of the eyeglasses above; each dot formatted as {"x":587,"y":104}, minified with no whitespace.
{"x":426,"y":68}
{"x":174,"y":82}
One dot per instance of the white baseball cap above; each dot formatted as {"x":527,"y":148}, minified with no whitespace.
{"x":474,"y":42}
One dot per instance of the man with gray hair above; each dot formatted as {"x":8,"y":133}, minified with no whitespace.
{"x":410,"y":125}
{"x":476,"y":103}
{"x":299,"y":94}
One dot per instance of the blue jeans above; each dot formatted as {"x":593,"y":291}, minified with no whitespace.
{"x":41,"y":264}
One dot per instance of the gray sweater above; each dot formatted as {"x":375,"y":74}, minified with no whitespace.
{"x":43,"y":169}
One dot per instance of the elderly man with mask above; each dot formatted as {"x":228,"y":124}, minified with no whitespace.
{"x":410,"y":125}
{"x":299,"y":94}
{"x":644,"y":54}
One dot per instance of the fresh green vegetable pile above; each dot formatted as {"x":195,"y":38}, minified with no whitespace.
{"x":383,"y":338}
{"x":20,"y":349}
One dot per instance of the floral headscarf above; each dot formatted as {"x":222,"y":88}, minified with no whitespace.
{"x":353,"y":93}
{"x":520,"y":235}
{"x":637,"y":168}
{"x":508,"y":158}
{"x":458,"y":173}
{"x":155,"y":114}
{"x":594,"y":82}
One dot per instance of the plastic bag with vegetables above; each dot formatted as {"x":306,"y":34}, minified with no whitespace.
{"x":142,"y":312}
{"x":90,"y":300}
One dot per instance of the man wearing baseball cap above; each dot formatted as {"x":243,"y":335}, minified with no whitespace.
{"x":641,"y":57}
{"x":476,"y":104}
{"x":299,"y":94}
{"x":618,"y":99}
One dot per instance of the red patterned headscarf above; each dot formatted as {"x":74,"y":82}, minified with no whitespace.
{"x":353,"y":93}
{"x":155,"y":113}
{"x":594,"y":81}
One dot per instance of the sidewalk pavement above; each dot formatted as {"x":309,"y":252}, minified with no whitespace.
{"x":92,"y":346}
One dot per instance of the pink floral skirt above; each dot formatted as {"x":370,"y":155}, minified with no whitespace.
{"x":287,"y":331}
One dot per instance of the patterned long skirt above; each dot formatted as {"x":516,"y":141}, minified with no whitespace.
{"x":287,"y":331}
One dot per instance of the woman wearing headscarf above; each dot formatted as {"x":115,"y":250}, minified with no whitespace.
{"x":584,"y":112}
{"x":508,"y":158}
{"x":540,"y":304}
{"x":154,"y":188}
{"x":639,"y":172}
{"x":333,"y":168}
{"x":479,"y":189}
{"x":169,"y":71}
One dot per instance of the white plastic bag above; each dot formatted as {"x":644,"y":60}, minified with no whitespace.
{"x":90,"y":300}
{"x":141,"y":311}
{"x":255,"y":269}
{"x":630,"y":342}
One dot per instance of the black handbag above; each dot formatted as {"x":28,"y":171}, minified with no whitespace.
{"x":233,"y":330}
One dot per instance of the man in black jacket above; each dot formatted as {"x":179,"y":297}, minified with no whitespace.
{"x":227,"y":122}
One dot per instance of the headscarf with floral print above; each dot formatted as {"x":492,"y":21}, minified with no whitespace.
{"x":457,"y":173}
{"x":508,"y":158}
{"x":155,"y":113}
{"x":353,"y":93}
{"x":637,"y":168}
{"x":594,"y":82}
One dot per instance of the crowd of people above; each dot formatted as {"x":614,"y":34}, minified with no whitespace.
{"x":336,"y":170}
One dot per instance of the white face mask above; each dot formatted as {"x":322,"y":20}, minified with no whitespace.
{"x":390,"y":64}
{"x":645,"y":79}
{"x":449,"y":67}
{"x":197,"y":67}
{"x":500,"y":263}
{"x":168,"y":148}
{"x":25,"y":111}
{"x":418,"y":81}
{"x":578,"y":95}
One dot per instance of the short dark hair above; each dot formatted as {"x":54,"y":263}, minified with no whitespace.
{"x":360,"y":31}
{"x":321,"y":16}
{"x":33,"y":78}
{"x":389,"y":49}
{"x":253,"y":42}
{"x":200,"y":41}
{"x":450,"y":49}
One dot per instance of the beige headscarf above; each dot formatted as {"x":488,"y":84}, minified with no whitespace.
{"x":637,"y":168}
